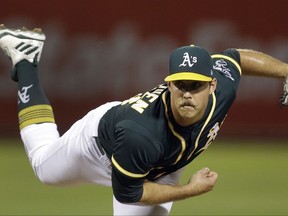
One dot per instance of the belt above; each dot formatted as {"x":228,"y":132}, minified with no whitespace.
{"x":101,"y":149}
{"x":101,"y":153}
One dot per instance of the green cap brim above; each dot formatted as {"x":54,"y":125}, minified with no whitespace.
{"x":187,"y":76}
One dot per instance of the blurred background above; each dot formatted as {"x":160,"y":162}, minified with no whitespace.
{"x":98,"y":51}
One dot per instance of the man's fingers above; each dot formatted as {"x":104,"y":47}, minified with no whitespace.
{"x":212,"y":174}
{"x":205,"y":170}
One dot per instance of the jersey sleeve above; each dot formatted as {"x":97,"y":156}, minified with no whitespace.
{"x":135,"y":152}
{"x":227,"y":65}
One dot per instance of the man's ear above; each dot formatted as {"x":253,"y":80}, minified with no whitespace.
{"x":169,"y":85}
{"x":213,"y":85}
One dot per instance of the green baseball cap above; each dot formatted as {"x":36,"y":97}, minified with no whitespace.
{"x":190,"y":63}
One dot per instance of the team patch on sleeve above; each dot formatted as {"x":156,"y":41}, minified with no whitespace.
{"x":222,"y":65}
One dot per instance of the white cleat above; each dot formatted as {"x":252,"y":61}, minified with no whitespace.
{"x":21,"y":44}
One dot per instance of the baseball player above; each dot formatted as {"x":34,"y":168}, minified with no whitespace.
{"x":139,"y":146}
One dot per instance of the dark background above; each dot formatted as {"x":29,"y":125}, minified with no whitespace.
{"x":99,"y":51}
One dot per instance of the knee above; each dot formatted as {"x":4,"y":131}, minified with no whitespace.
{"x":48,"y":180}
{"x":55,"y":179}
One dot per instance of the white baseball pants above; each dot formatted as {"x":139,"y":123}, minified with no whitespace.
{"x":75,"y":158}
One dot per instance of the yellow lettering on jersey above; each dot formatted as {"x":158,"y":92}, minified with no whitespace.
{"x":132,"y":100}
{"x":212,"y":135}
{"x":140,"y":105}
{"x":151,"y":95}
{"x":141,"y":101}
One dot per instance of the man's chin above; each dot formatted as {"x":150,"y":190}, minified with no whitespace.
{"x":187,"y":109}
{"x":188,"y":114}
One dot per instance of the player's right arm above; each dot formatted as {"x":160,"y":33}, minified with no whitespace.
{"x":133,"y":157}
{"x":130,"y":190}
{"x":201,"y":182}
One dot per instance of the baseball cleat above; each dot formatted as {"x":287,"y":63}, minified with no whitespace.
{"x":21,"y":44}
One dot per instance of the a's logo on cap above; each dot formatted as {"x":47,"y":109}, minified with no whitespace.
{"x":188,"y":60}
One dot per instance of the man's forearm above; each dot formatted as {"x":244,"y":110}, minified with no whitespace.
{"x":201,"y":182}
{"x":260,"y":64}
{"x":154,"y":193}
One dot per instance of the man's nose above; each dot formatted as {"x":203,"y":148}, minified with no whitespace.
{"x":187,"y":95}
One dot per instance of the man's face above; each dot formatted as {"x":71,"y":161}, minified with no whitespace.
{"x":189,"y":99}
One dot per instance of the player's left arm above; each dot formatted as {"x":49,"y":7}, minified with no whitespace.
{"x":256,"y":63}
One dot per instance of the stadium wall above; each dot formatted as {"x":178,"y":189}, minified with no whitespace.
{"x":98,"y":51}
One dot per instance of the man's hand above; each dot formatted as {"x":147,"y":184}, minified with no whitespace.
{"x":284,"y":96}
{"x":202,"y":181}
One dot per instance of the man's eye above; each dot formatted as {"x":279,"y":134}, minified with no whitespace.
{"x":180,"y":85}
{"x":196,"y":85}
{"x":188,"y":86}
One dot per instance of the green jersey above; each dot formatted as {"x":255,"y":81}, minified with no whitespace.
{"x":143,"y":140}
